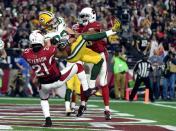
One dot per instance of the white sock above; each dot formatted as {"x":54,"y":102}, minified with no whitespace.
{"x":73,"y":104}
{"x":83,"y":103}
{"x":30,"y":88}
{"x":45,"y":108}
{"x":107,"y":108}
{"x":110,"y":32}
{"x":92,"y":84}
{"x":67,"y":105}
{"x":83,"y":80}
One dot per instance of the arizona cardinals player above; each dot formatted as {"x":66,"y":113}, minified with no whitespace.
{"x":42,"y":60}
{"x":88,"y":24}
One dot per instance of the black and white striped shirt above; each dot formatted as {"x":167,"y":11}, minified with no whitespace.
{"x":143,"y":68}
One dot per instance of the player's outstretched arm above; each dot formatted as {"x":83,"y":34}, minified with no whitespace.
{"x":98,"y":36}
{"x":101,"y":35}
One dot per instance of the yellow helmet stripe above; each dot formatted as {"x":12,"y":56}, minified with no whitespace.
{"x":47,"y":13}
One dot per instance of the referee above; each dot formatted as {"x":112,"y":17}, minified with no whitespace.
{"x":142,"y":69}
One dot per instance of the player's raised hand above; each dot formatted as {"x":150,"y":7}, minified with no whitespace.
{"x":116,"y":25}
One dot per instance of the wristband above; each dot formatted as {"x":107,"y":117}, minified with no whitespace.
{"x":110,"y":32}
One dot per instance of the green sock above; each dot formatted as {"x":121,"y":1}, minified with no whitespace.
{"x":96,"y":70}
{"x":68,"y":94}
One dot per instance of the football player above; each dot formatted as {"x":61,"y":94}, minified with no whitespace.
{"x":3,"y":53}
{"x":52,"y":24}
{"x":42,"y":61}
{"x":88,"y":24}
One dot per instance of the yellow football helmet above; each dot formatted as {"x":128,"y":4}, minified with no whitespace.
{"x":47,"y":20}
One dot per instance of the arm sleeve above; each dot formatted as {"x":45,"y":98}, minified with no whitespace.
{"x":94,"y":37}
{"x":98,"y":36}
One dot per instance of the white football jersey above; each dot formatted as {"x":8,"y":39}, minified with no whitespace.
{"x":59,"y":31}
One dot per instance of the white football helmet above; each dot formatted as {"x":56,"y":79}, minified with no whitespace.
{"x":1,"y":44}
{"x":87,"y":15}
{"x":36,"y":38}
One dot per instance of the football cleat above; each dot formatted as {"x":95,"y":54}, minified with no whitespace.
{"x":81,"y":110}
{"x":73,"y":110}
{"x":87,"y":93}
{"x":116,"y":26}
{"x":69,"y":112}
{"x":94,"y":90}
{"x":98,"y":93}
{"x":107,"y":115}
{"x":48,"y":122}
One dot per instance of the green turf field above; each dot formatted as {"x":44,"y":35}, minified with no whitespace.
{"x":158,"y":113}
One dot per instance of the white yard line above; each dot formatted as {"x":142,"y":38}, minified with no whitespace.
{"x":91,"y":100}
{"x":161,"y":105}
{"x":4,"y":127}
{"x":172,"y":128}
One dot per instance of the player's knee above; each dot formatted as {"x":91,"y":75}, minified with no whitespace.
{"x":100,"y":62}
{"x":80,"y":67}
{"x":103,"y":83}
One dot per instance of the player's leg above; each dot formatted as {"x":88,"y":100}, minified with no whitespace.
{"x":90,"y":56}
{"x":44,"y":95}
{"x":73,"y":101}
{"x":78,"y":69}
{"x":82,"y":106}
{"x":67,"y":101}
{"x":72,"y":85}
{"x":69,"y":91}
{"x":76,"y":92}
{"x":104,"y":86}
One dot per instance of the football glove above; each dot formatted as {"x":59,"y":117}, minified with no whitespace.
{"x":116,"y":26}
{"x":63,"y":43}
{"x":55,"y":40}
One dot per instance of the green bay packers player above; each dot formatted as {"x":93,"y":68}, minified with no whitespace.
{"x":56,"y":25}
